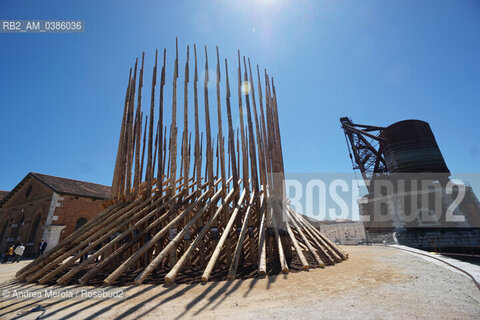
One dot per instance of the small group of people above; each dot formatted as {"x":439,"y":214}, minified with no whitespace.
{"x":15,"y":251}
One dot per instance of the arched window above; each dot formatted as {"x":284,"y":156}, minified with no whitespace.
{"x":80,"y":222}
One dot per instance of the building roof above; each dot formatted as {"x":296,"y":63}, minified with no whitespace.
{"x":64,"y":186}
{"x":314,"y":222}
{"x":317,"y":223}
{"x":74,"y":187}
{"x":338,"y":220}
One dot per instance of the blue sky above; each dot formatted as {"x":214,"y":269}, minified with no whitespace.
{"x":376,"y":61}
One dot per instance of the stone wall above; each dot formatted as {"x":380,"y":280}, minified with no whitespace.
{"x":344,"y":233}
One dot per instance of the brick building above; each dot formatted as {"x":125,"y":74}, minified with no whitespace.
{"x":3,"y":194}
{"x":47,"y":207}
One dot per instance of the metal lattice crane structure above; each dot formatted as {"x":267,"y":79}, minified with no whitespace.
{"x":364,"y":144}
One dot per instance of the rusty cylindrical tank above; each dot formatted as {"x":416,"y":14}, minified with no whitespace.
{"x":411,"y":147}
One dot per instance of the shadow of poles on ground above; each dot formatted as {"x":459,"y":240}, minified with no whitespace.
{"x":107,"y":308}
{"x":153,"y":298}
{"x":19,"y":287}
{"x":217,"y":294}
{"x":220,"y":293}
{"x":208,"y":288}
{"x":74,"y":302}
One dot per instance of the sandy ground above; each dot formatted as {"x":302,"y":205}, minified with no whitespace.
{"x":375,"y":283}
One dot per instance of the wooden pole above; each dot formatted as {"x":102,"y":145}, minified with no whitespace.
{"x":231,"y":136}
{"x":242,"y":132}
{"x":220,"y":131}
{"x":264,"y":130}
{"x":299,"y":251}
{"x":238,"y":249}
{"x":278,"y":242}
{"x":262,"y":248}
{"x":209,"y":149}
{"x":149,"y":173}
{"x":260,"y":143}
{"x":162,"y":137}
{"x":197,"y":152}
{"x":157,"y":133}
{"x":173,"y":128}
{"x":251,"y":139}
{"x":137,"y":143}
{"x":143,"y":148}
{"x":218,"y":248}
{"x":186,"y":165}
{"x":165,"y":154}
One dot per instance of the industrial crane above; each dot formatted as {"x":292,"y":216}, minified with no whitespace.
{"x":365,"y":148}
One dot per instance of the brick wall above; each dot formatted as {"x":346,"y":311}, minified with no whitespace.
{"x":23,"y":216}
{"x":74,"y":208}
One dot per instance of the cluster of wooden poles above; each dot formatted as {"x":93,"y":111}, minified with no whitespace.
{"x":178,"y":219}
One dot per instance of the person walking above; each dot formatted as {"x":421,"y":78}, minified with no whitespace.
{"x":18,"y":253}
{"x":8,"y":253}
{"x":41,"y":247}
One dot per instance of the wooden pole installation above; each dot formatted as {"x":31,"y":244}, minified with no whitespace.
{"x":190,"y":221}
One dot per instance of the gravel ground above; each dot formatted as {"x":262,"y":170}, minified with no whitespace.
{"x":375,"y":283}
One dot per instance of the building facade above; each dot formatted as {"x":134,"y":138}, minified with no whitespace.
{"x":344,"y":232}
{"x":49,"y":208}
